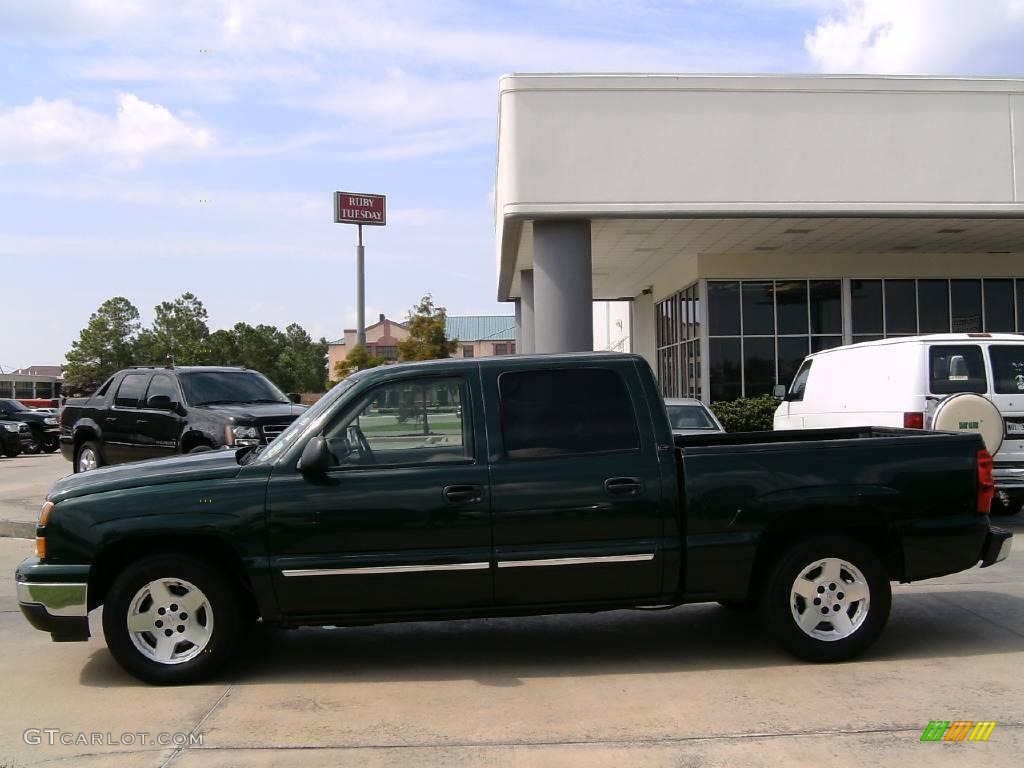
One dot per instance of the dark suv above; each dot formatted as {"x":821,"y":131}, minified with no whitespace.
{"x":15,"y":437}
{"x":42,"y":426}
{"x":146,"y":413}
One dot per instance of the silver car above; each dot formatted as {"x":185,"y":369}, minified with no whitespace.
{"x":691,"y":417}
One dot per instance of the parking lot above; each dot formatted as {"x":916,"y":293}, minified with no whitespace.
{"x":693,"y":686}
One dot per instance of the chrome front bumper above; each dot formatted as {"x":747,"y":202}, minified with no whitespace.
{"x":62,"y":609}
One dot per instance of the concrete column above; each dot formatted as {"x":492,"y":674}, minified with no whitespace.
{"x":562,"y":286}
{"x":526,"y":345}
{"x":641,"y":323}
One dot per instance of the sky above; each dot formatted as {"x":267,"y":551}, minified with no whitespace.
{"x":153,"y":148}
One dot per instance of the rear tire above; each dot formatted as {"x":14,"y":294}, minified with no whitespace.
{"x":827,"y":599}
{"x":88,"y":456}
{"x":172,"y":619}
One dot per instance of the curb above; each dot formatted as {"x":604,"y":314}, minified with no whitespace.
{"x":17,"y":529}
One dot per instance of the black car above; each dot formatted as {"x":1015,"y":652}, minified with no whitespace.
{"x":150,"y":412}
{"x":42,"y":426}
{"x":15,"y":437}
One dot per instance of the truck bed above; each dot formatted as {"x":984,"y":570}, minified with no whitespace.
{"x":800,"y":436}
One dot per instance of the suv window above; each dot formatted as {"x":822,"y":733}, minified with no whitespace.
{"x":956,"y":368}
{"x":799,"y":386}
{"x":162,"y":384}
{"x":1007,"y":368}
{"x":103,"y":390}
{"x":415,"y":421}
{"x":131,"y":389}
{"x":566,"y":413}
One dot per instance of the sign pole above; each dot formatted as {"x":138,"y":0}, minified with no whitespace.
{"x":360,"y":292}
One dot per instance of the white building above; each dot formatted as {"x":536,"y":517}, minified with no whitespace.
{"x":751,"y":219}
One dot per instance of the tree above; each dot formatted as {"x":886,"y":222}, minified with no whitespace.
{"x":428,"y":339}
{"x":356,"y":360}
{"x":104,"y":346}
{"x":179,"y":330}
{"x":304,"y":359}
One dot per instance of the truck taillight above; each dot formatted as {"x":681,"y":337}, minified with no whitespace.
{"x":913,"y":420}
{"x":986,"y":486}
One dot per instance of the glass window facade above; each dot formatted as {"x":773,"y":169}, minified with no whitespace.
{"x":759,"y":331}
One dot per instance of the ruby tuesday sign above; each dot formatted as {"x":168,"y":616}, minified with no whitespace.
{"x":359,"y":208}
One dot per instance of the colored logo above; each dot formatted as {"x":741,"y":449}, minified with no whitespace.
{"x":958,"y":730}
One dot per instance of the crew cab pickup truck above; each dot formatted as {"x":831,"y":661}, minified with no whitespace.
{"x":497,"y":487}
{"x":146,"y":413}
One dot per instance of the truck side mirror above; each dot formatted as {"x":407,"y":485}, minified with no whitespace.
{"x":779,"y":392}
{"x":316,"y":457}
{"x":295,"y":397}
{"x":161,"y":403}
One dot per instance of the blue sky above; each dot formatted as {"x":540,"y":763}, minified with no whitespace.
{"x":115,"y":122}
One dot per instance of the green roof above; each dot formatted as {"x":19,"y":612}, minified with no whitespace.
{"x":481,"y":327}
{"x":475,"y":328}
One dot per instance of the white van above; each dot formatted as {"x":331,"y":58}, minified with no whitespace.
{"x":898,"y":382}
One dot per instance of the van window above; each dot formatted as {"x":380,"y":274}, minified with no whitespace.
{"x":956,"y":368}
{"x":796,"y":392}
{"x":1007,"y":368}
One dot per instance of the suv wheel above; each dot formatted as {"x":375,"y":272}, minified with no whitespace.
{"x":88,"y":457}
{"x":171,"y":619}
{"x":827,"y":599}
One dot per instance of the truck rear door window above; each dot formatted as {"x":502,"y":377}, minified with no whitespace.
{"x":566,"y":413}
{"x":131,"y":389}
{"x":1007,"y":368}
{"x":954,"y":368}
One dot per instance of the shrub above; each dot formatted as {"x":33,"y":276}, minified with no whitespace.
{"x":751,"y":414}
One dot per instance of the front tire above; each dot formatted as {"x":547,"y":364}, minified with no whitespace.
{"x":172,"y":620}
{"x":827,"y":599}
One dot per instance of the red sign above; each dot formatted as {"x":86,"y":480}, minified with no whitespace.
{"x":359,"y":208}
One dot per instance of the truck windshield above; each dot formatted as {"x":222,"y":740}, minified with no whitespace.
{"x":14,"y":405}
{"x":280,"y":443}
{"x":689,"y":417}
{"x":210,"y":387}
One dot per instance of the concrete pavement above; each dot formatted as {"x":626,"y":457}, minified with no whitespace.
{"x":694,"y":686}
{"x":24,"y":482}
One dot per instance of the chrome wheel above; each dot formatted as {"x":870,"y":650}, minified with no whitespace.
{"x":87,"y":460}
{"x":170,"y":621}
{"x":830,"y":599}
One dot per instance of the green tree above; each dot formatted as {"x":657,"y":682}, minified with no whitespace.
{"x":356,"y":360}
{"x":427,"y":337}
{"x":303,"y":360}
{"x":179,"y":330}
{"x":104,"y":346}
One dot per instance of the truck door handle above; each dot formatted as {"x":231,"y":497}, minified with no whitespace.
{"x":463,"y":494}
{"x":142,"y":421}
{"x":623,"y":486}
{"x":111,"y":418}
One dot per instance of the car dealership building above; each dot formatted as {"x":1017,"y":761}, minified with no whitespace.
{"x":753,"y":219}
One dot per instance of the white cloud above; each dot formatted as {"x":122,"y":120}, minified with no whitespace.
{"x":47,"y":132}
{"x":921,"y":37}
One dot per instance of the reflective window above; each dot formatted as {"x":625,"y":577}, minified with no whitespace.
{"x":689,"y":417}
{"x":724,"y":308}
{"x":792,"y":351}
{"x":1007,"y":368}
{"x":725,"y":369}
{"x":965,"y":305}
{"x":566,"y":413}
{"x":900,"y":307}
{"x":956,"y":368}
{"x":796,"y":392}
{"x":791,"y":305}
{"x":131,"y":389}
{"x":826,"y":306}
{"x":933,"y":306}
{"x":866,"y":307}
{"x":758,"y":309}
{"x":758,"y":366}
{"x":999,"y":306}
{"x":414,"y":421}
{"x":162,"y":385}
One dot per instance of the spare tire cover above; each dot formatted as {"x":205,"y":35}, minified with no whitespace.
{"x":968,"y":412}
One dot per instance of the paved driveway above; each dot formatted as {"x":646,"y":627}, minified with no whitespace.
{"x":694,"y":686}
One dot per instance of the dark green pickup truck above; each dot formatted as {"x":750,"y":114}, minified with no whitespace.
{"x":498,"y":487}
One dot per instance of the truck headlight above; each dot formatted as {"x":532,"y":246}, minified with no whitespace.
{"x":11,"y":427}
{"x":50,"y":421}
{"x":244,"y":433}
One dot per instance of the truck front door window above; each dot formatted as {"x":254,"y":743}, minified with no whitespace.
{"x":405,"y":423}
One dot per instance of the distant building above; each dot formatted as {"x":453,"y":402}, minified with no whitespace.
{"x":478,"y":336}
{"x":36,"y":382}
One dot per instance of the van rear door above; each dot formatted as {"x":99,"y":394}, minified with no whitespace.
{"x":1007,"y":361}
